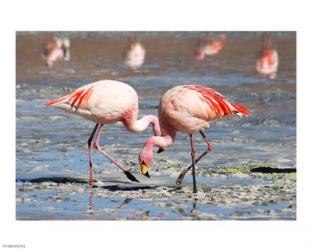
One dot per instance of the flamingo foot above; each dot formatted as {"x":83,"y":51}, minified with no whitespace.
{"x":130,"y":176}
{"x":182,"y":175}
{"x":180,"y":179}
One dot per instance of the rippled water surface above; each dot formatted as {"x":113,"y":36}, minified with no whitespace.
{"x":50,"y":142}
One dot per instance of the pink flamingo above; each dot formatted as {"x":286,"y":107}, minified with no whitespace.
{"x":267,"y":63}
{"x":135,"y":55}
{"x":56,"y":49}
{"x":106,"y":102}
{"x":209,"y":47}
{"x":190,"y":108}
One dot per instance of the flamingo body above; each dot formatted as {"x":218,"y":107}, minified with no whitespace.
{"x":102,"y":102}
{"x":135,"y":55}
{"x":106,"y":102}
{"x":189,"y":108}
{"x":267,"y":63}
{"x":56,"y":49}
{"x":210,"y":47}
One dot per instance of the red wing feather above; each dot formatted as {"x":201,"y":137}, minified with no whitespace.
{"x":57,"y":101}
{"x":77,"y":99}
{"x":217,"y":102}
{"x":84,"y":98}
{"x":241,"y":109}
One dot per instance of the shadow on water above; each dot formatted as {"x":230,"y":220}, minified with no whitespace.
{"x":111,"y":185}
{"x":269,"y":170}
{"x":55,"y":179}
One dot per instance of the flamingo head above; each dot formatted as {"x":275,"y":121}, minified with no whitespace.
{"x":146,"y":158}
{"x":144,"y":169}
{"x":199,"y":55}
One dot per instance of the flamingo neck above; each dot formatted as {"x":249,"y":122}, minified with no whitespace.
{"x":159,"y":141}
{"x":146,"y":154}
{"x":142,"y":124}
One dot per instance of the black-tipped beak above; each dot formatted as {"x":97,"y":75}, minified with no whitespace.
{"x":160,"y":150}
{"x":147,"y":175}
{"x":144,"y":170}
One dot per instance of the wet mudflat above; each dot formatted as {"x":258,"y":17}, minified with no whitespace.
{"x":223,"y":194}
{"x":51,"y":159}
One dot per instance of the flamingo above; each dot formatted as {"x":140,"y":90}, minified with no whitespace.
{"x":56,"y":49}
{"x":209,"y":47}
{"x":135,"y":55}
{"x":267,"y":63}
{"x":106,"y":102}
{"x":189,"y":109}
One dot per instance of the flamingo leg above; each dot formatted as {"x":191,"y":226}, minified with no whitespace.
{"x":209,"y":148}
{"x":193,"y":164}
{"x":90,"y":155}
{"x":97,"y":147}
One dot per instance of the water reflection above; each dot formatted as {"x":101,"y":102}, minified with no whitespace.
{"x":194,"y":203}
{"x":90,"y":210}
{"x":125,"y":202}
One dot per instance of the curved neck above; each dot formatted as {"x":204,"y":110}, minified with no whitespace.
{"x":146,"y":154}
{"x":159,"y":141}
{"x":142,"y":124}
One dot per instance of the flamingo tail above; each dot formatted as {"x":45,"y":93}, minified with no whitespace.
{"x":56,"y":102}
{"x":241,"y":110}
{"x":77,"y":99}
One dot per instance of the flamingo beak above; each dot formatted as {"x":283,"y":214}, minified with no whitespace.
{"x":144,"y":170}
{"x":160,"y":150}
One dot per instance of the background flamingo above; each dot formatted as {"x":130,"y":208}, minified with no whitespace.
{"x":56,"y":49}
{"x":267,"y":63}
{"x":135,"y":55}
{"x":106,"y":102}
{"x":190,"y":108}
{"x":209,"y":47}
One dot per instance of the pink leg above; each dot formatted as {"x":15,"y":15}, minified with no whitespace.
{"x":209,"y":148}
{"x":97,"y":147}
{"x":90,"y":155}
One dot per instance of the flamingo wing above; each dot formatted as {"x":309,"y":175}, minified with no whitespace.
{"x":218,"y":105}
{"x":76,"y":99}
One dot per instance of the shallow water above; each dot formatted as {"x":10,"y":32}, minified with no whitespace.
{"x":50,"y":142}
